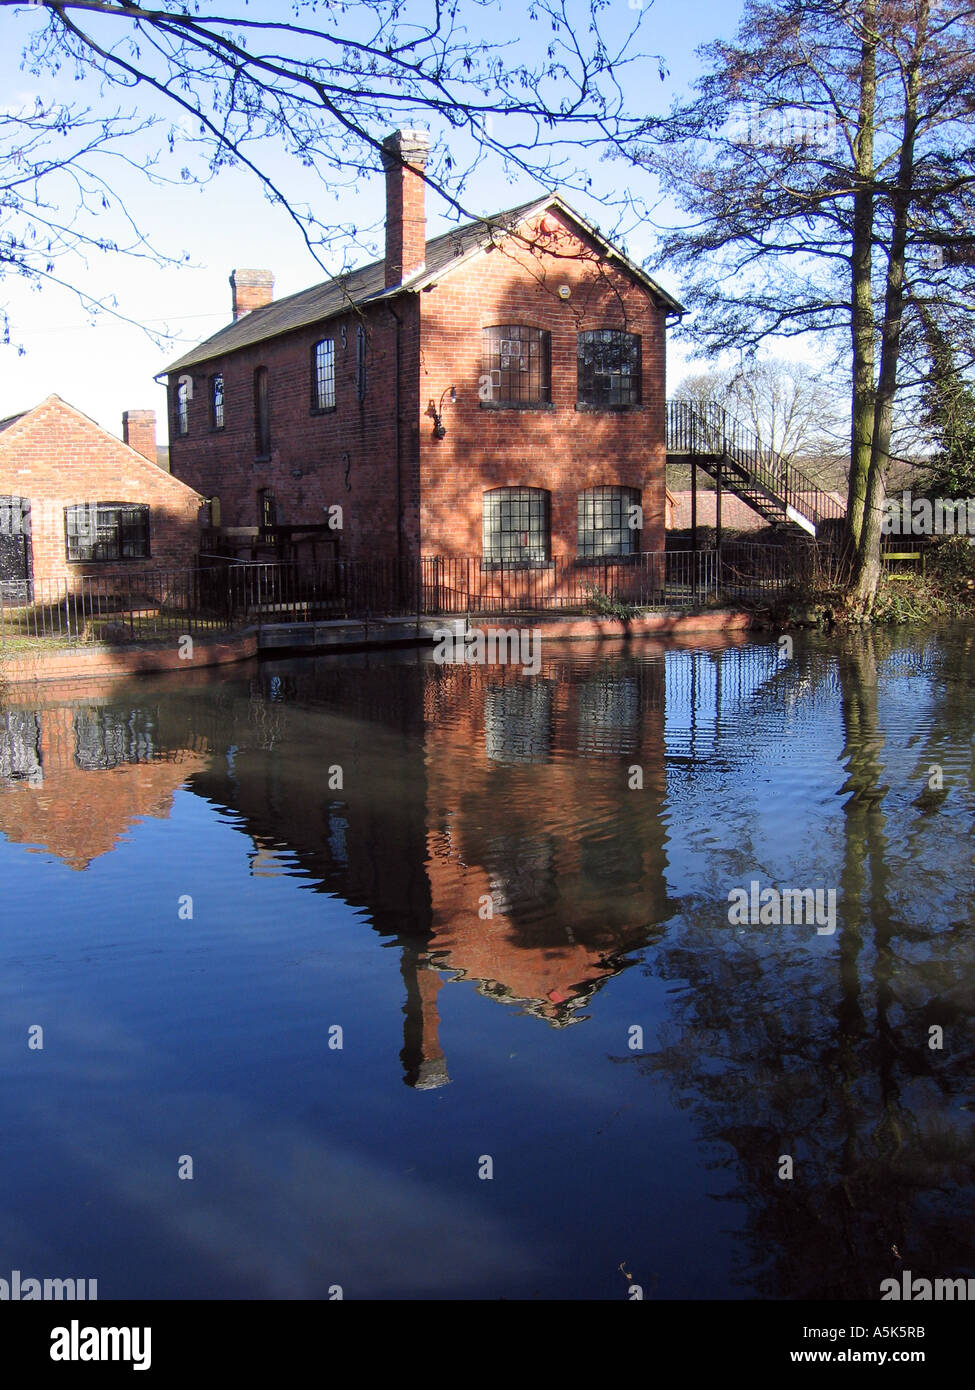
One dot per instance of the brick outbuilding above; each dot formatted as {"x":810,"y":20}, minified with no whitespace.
{"x":74,"y":500}
{"x":497,"y":392}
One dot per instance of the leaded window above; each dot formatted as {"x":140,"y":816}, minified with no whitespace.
{"x":516,"y":524}
{"x":181,"y":405}
{"x":323,"y":375}
{"x":216,"y":401}
{"x":100,"y":531}
{"x":605,"y":521}
{"x":516,"y":364}
{"x":609,"y":367}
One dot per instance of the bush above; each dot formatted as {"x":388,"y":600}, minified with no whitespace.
{"x":608,"y":605}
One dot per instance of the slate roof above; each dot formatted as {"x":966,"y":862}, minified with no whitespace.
{"x":368,"y":284}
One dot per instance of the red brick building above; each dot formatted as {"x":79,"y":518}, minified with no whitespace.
{"x":74,"y":500}
{"x":497,"y":392}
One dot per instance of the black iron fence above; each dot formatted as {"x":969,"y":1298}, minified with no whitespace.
{"x":119,"y":608}
{"x":233,"y":594}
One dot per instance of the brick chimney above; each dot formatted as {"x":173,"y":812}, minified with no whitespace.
{"x":252,"y":289}
{"x":405,"y":154}
{"x":139,"y":432}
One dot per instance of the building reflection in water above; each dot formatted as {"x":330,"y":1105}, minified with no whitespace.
{"x":74,"y":777}
{"x":488,"y":828}
{"x":484,"y":820}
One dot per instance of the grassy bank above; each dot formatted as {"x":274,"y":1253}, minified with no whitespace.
{"x":945,"y":593}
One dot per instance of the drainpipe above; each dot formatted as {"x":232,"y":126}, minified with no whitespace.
{"x":396,"y":444}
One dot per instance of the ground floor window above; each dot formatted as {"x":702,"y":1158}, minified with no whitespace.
{"x":99,"y":531}
{"x":605,"y":515}
{"x":516,"y":524}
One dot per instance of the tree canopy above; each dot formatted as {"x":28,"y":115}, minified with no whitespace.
{"x":182,"y":94}
{"x":826,"y":163}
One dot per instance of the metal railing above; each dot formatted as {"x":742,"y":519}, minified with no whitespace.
{"x":458,"y":585}
{"x":114,"y":608}
{"x":707,"y":431}
{"x":233,"y":594}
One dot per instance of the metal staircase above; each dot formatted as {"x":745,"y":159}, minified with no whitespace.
{"x":732,"y":455}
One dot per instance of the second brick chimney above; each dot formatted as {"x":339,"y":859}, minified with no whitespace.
{"x":252,"y":289}
{"x":405,"y":155}
{"x":139,"y":432}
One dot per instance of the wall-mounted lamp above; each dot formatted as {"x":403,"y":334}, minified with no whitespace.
{"x":439,"y":430}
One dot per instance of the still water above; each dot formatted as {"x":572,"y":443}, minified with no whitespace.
{"x":427,"y":974}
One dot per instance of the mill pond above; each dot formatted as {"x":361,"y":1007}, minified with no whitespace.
{"x":387,"y":978}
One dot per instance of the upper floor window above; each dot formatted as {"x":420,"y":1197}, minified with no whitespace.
{"x":216,"y":401}
{"x":516,"y":364}
{"x":98,"y":531}
{"x":262,"y":414}
{"x":516,"y":524}
{"x":360,"y":362}
{"x":181,"y":405}
{"x":323,"y":375}
{"x":605,"y":517}
{"x":609,"y":367}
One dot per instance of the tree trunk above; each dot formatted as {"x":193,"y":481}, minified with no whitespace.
{"x":866,"y":575}
{"x":861,"y":266}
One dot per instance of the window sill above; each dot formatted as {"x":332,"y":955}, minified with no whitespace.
{"x":323,"y":410}
{"x":586,"y":408}
{"x":506,"y":565}
{"x":116,"y":560}
{"x":630,"y":557}
{"x":516,"y":405}
{"x":262,"y":458}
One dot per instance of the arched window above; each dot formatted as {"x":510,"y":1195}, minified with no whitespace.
{"x":323,"y":375}
{"x":181,"y":405}
{"x":216,"y":401}
{"x":516,"y":524}
{"x":609,"y":367}
{"x":606,"y":517}
{"x":516,"y":364}
{"x":262,"y":414}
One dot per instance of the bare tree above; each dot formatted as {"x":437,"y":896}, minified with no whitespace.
{"x":324,"y":86}
{"x":789,"y":407}
{"x":828,"y":164}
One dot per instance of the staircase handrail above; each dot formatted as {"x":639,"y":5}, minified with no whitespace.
{"x":709,"y":429}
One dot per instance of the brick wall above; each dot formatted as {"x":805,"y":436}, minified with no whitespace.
{"x":344,"y":456}
{"x":561,"y":449}
{"x":377,"y":465}
{"x":56,"y":457}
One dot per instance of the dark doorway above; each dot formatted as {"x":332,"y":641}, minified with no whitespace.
{"x":15,"y":548}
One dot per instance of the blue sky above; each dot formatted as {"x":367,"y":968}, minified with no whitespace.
{"x":106,"y":366}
